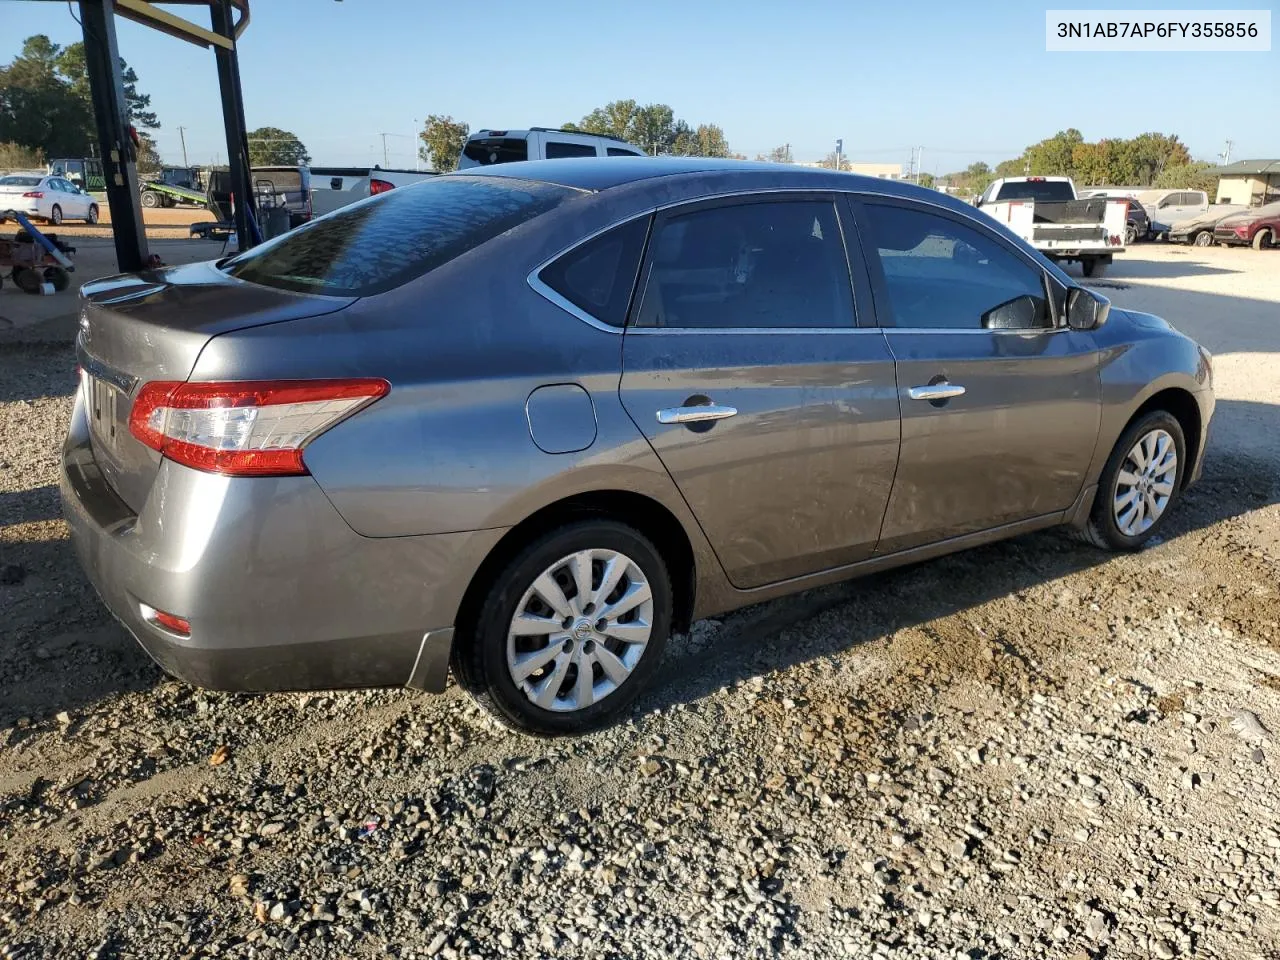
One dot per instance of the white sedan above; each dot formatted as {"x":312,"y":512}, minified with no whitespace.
{"x":50,"y":198}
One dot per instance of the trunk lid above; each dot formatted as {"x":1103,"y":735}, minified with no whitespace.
{"x":136,"y":328}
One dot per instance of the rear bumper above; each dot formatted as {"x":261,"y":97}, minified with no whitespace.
{"x":280,"y":592}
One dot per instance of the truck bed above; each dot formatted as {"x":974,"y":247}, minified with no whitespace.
{"x":1071,"y":211}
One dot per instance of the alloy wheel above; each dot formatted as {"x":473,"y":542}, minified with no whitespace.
{"x":1145,"y":482}
{"x":580,"y":630}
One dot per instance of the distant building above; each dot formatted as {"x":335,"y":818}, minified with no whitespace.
{"x":1254,"y":182}
{"x":885,"y":171}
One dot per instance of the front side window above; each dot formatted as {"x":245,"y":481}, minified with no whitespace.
{"x":941,"y":274}
{"x":598,"y":276}
{"x":557,"y":150}
{"x":749,"y":265}
{"x":384,"y":241}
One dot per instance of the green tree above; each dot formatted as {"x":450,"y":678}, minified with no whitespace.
{"x":1053,"y":157}
{"x":654,"y":128}
{"x":271,"y":147}
{"x":780,"y":154}
{"x":442,"y":141}
{"x":14,"y":156}
{"x":148,"y":158}
{"x":1145,"y":157}
{"x":71,"y":64}
{"x":38,"y":108}
{"x":709,"y":141}
{"x":926,"y":180}
{"x":1188,"y":176}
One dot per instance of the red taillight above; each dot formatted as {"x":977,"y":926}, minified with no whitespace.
{"x":35,"y":194}
{"x":169,"y":621}
{"x":245,"y":428}
{"x":377,"y":186}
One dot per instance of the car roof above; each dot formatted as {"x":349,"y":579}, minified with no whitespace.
{"x":604,"y":173}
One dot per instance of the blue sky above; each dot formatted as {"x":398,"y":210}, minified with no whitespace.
{"x":965,"y":81}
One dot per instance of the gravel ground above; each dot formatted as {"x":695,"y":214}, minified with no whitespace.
{"x":1028,"y":750}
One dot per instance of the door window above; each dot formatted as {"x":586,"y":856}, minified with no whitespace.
{"x":557,"y":150}
{"x":749,"y":265}
{"x":619,"y":152}
{"x":942,"y":274}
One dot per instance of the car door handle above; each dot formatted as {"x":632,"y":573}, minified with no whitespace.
{"x":696,"y":414}
{"x":936,"y":391}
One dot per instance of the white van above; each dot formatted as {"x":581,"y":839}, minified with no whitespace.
{"x":485,"y":147}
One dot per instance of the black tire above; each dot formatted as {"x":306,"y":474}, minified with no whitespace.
{"x":1262,"y":239}
{"x":150,"y":198}
{"x":58,"y":277}
{"x":1203,"y":239}
{"x":55,"y":215}
{"x":1130,"y":235}
{"x":1092,"y":267}
{"x":480,"y":658}
{"x":93,"y":214}
{"x":1102,"y":529}
{"x":28,"y":281}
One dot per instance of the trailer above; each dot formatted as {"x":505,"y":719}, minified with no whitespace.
{"x":36,"y":262}
{"x":156,"y":193}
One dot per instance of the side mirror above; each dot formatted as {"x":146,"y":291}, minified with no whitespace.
{"x":1086,"y":310}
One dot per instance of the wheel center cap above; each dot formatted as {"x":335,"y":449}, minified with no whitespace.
{"x":582,"y":630}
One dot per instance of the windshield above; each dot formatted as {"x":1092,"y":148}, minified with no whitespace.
{"x":20,"y":181}
{"x":1052,"y":190}
{"x":382,"y":242}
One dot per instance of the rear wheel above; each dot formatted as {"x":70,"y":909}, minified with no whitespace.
{"x":1204,"y":238}
{"x":1141,"y":481}
{"x":28,"y":281}
{"x":570,"y":631}
{"x":55,"y":215}
{"x":58,"y":277}
{"x":1092,"y":267}
{"x":1130,"y":235}
{"x":1262,"y":239}
{"x":150,"y":198}
{"x":93,"y":213}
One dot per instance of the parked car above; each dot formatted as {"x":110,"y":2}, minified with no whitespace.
{"x":85,"y":172}
{"x":46,"y":198}
{"x":1259,"y":227}
{"x":1199,"y":229}
{"x":413,"y":432}
{"x":1168,"y":207}
{"x":334,"y":187}
{"x":1137,"y":220}
{"x":486,"y":147}
{"x":1048,"y":214}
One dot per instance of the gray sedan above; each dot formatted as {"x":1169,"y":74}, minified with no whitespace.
{"x":528,"y":420}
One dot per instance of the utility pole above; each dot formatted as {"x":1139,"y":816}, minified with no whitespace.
{"x":182,"y":135}
{"x":919,"y":163}
{"x":1226,"y":156}
{"x":384,"y":149}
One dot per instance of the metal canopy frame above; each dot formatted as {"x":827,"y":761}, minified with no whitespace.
{"x":106,"y":85}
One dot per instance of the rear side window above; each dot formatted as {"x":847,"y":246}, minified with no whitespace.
{"x":382,"y":242}
{"x":1051,"y":190}
{"x":556,"y":150}
{"x":619,"y":152}
{"x":496,"y":150}
{"x":598,"y":276}
{"x":761,"y":264}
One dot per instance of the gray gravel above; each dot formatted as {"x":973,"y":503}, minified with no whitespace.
{"x":1031,"y":750}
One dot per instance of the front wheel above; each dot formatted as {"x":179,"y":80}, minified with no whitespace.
{"x":570,"y":631}
{"x":1141,"y":481}
{"x":93,"y":213}
{"x":1204,"y":238}
{"x":55,"y":215}
{"x":1262,"y":239}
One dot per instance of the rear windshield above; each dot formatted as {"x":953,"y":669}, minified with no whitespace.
{"x":496,"y":150}
{"x":20,"y":181}
{"x":1035,"y":190}
{"x":382,"y":242}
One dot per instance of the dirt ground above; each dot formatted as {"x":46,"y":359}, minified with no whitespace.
{"x":1029,"y":750}
{"x":162,"y":223}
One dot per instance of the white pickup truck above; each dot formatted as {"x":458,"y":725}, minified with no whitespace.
{"x":1048,"y":214}
{"x":334,"y":187}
